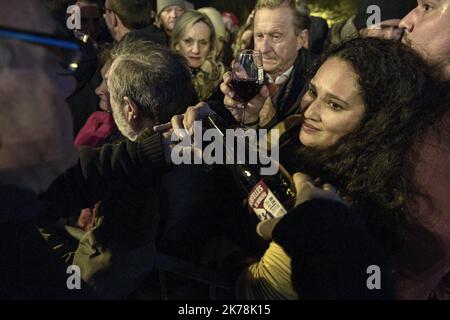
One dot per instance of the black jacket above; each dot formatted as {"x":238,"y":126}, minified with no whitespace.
{"x":150,"y":33}
{"x":331,"y":249}
{"x":287,"y":100}
{"x":107,"y":173}
{"x":28,"y":267}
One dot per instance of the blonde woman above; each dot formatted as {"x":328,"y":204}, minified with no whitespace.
{"x":194,"y":37}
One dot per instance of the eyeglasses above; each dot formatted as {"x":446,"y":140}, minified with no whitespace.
{"x":67,"y":50}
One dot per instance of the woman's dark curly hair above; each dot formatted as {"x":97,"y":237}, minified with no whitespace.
{"x":370,"y":166}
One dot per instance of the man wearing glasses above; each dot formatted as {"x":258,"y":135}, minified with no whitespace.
{"x":35,"y":145}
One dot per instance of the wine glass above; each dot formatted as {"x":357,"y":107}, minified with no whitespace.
{"x":247,"y":78}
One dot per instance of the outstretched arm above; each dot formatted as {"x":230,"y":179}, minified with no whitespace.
{"x":101,"y":172}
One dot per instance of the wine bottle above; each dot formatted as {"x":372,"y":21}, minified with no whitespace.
{"x":269,"y":196}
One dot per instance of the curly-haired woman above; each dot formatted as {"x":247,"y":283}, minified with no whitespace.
{"x":367,"y":104}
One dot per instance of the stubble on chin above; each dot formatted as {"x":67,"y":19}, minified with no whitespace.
{"x":407,"y":41}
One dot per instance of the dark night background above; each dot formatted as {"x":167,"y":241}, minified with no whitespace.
{"x":332,"y":10}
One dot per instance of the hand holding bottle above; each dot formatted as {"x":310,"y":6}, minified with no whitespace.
{"x":305,"y":191}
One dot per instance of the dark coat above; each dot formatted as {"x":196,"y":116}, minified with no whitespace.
{"x":102,"y":172}
{"x":331,"y":250}
{"x":150,"y":33}
{"x":288,"y":98}
{"x":28,"y":267}
{"x":118,"y":252}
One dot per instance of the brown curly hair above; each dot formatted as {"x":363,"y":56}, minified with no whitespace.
{"x":371,"y":167}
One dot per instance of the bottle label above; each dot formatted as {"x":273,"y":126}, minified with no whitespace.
{"x":264,"y":203}
{"x":260,"y":75}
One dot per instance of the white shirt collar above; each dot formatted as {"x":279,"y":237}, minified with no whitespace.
{"x":281,"y":79}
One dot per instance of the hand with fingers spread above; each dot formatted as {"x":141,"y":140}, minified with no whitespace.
{"x":236,"y":108}
{"x":306,"y":190}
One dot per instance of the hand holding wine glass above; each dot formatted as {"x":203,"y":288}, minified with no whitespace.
{"x":253,"y":107}
{"x":245,"y":81}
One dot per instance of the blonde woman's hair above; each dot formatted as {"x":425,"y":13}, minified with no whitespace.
{"x":210,"y":73}
{"x":186,"y":22}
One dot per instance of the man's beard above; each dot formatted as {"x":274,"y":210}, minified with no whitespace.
{"x":438,"y":63}
{"x":124,"y":127}
{"x":418,"y":49}
{"x":406,"y":41}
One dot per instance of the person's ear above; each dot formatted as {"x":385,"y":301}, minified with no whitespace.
{"x":131,"y":109}
{"x":114,"y":19}
{"x":157,"y":22}
{"x":303,"y":39}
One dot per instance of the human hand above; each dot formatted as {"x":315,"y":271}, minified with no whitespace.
{"x":306,"y":190}
{"x":184,"y":124}
{"x":180,"y":129}
{"x":236,"y":108}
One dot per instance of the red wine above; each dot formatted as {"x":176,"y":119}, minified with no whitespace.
{"x":245,"y":89}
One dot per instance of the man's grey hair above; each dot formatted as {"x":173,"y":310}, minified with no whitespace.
{"x":301,"y":19}
{"x":154,"y":77}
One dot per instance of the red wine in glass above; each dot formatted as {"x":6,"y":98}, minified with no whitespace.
{"x":247,"y":77}
{"x":245,"y":89}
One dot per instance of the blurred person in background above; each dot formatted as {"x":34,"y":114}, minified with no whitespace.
{"x":36,"y":145}
{"x":167,"y":14}
{"x":231,"y":22}
{"x":318,"y":31}
{"x":194,"y":37}
{"x":363,"y":23}
{"x":391,"y":14}
{"x":223,"y":48}
{"x":83,"y":101}
{"x":91,"y":17}
{"x":244,"y":36}
{"x":124,"y":17}
{"x":426,"y":262}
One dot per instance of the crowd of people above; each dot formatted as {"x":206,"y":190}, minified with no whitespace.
{"x":87,"y":133}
